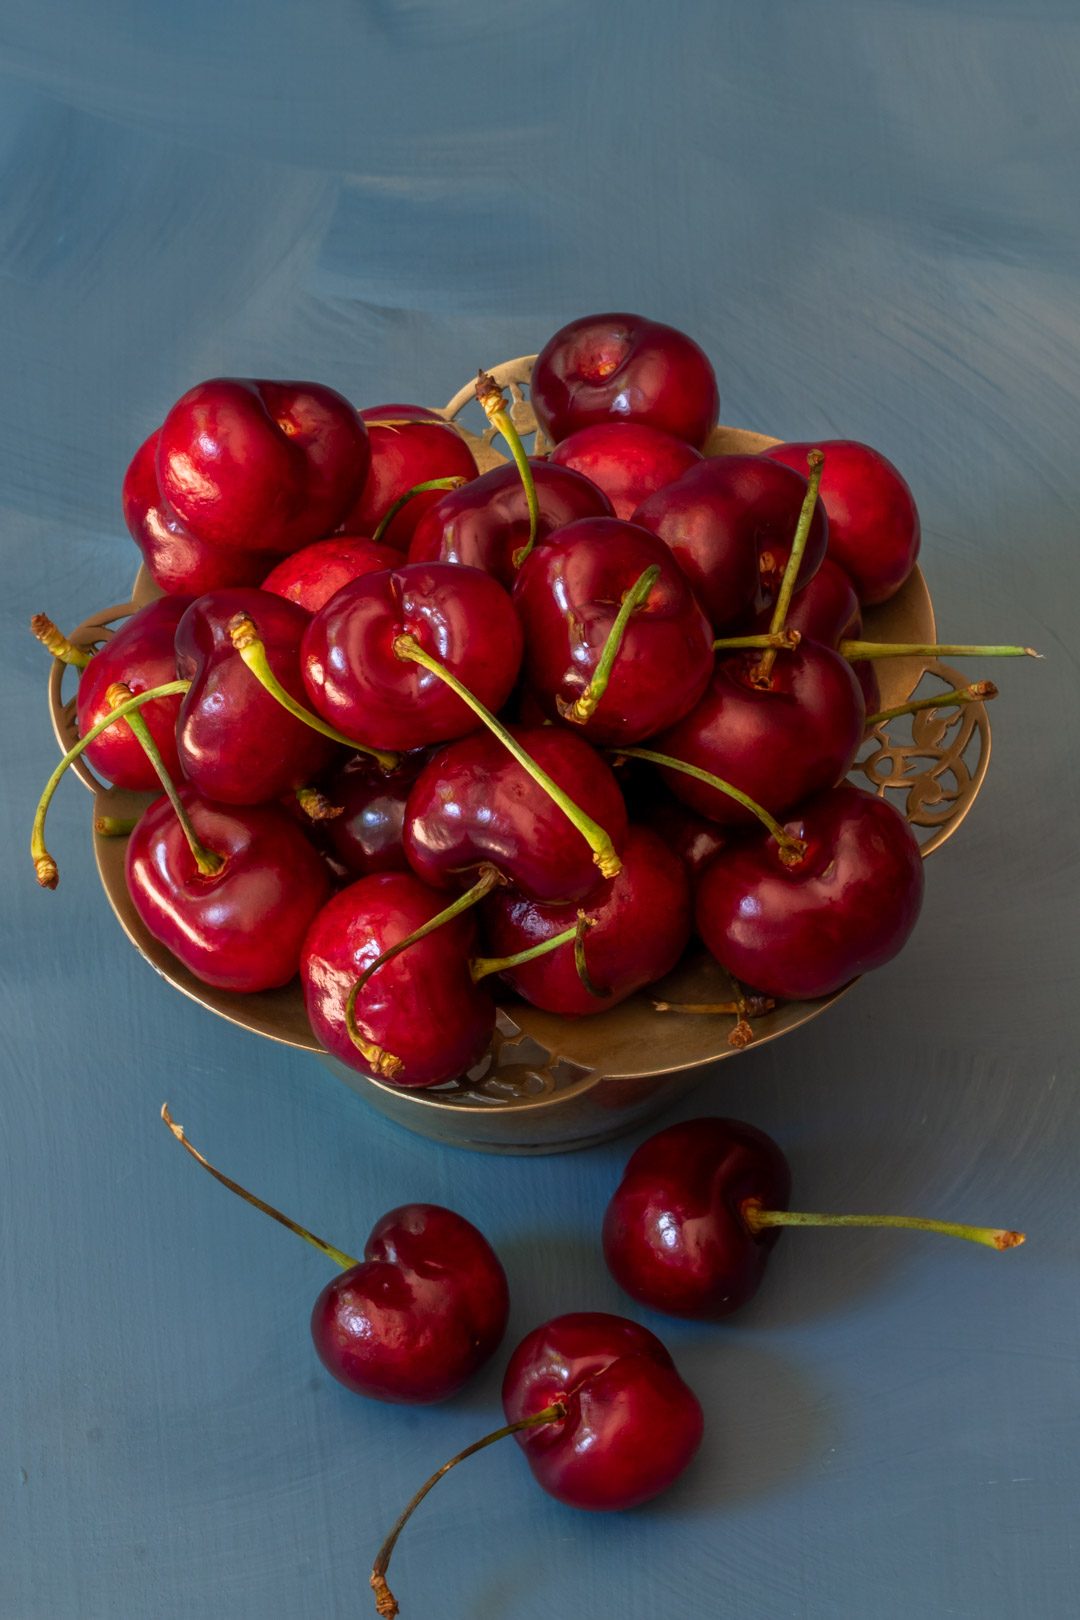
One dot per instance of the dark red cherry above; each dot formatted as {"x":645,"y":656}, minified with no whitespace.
{"x":628,"y":460}
{"x":568,"y":594}
{"x":141,"y":654}
{"x":358,"y":682}
{"x":624,"y":368}
{"x":368,"y":834}
{"x":177,"y":562}
{"x":242,"y":927}
{"x":311,"y":576}
{"x":420,"y":1314}
{"x":730,"y":522}
{"x":236,"y":742}
{"x":874,"y":529}
{"x":802,"y":930}
{"x":689,"y":836}
{"x":474,"y":805}
{"x":826,"y":609}
{"x":675,"y":1236}
{"x":640,"y":926}
{"x":266,"y":466}
{"x":410,"y":444}
{"x":485,"y":523}
{"x":779,"y":744}
{"x":631,"y":1426}
{"x":421,"y":1008}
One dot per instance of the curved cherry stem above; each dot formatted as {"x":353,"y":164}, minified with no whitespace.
{"x":481,"y":967}
{"x":792,"y":849}
{"x":584,"y":707}
{"x":385,"y":1602}
{"x":316,"y":806}
{"x":47,"y":874}
{"x":814,"y":461}
{"x":55,"y":642}
{"x":208,"y":861}
{"x":454,"y":482}
{"x":490,"y":878}
{"x":245,"y":638}
{"x":345,"y":1261}
{"x":407,"y":647}
{"x":977,"y":692}
{"x":115,"y":826}
{"x":856,"y":651}
{"x":584,"y":923}
{"x":493,"y":402}
{"x":785,"y":640}
{"x":759,"y":1220}
{"x":742,"y":1009}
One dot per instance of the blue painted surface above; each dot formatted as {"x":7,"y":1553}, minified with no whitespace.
{"x":868,"y":216}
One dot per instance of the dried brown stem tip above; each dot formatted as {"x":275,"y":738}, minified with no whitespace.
{"x":316,"y":806}
{"x":242,"y":633}
{"x":489,"y":395}
{"x":55,"y":642}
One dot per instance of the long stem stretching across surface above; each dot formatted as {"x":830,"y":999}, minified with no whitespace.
{"x":759,"y":1220}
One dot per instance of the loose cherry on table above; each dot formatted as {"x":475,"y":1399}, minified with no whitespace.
{"x":410,"y":445}
{"x":624,"y":368}
{"x":628,"y":460}
{"x":599,"y":1409}
{"x":413,"y":1320}
{"x":311,"y":576}
{"x":699,"y":1209}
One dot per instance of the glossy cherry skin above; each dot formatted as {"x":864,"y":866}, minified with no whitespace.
{"x":627,"y":460}
{"x":419,"y":446}
{"x":485,"y":523}
{"x":624,"y":368}
{"x":176,"y":561}
{"x":675,"y":1233}
{"x":874,"y":529}
{"x":422,"y":1312}
{"x":242,"y":928}
{"x":368,"y":834}
{"x":236,"y":742}
{"x":640,"y":920}
{"x":689,"y":836}
{"x":142,"y":655}
{"x":567,"y":596}
{"x":311,"y":576}
{"x":802,"y":931}
{"x":266,"y":466}
{"x":473,"y":804}
{"x":422,"y":1006}
{"x":730,"y":522}
{"x":827,"y":609}
{"x":459,"y":616}
{"x":778,"y":745}
{"x":632,"y":1425}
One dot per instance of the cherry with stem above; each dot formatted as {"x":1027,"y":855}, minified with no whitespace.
{"x":814,"y":461}
{"x":493,"y":403}
{"x":208,"y":861}
{"x":792,"y":849}
{"x":584,"y":707}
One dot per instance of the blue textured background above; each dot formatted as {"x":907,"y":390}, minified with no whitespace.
{"x":868,"y":215}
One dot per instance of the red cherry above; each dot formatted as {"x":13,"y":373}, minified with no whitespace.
{"x":236,"y":742}
{"x":367,"y":836}
{"x":674,"y":1233}
{"x":241,"y":927}
{"x":826,"y":609}
{"x":410,"y":444}
{"x":311,"y":576}
{"x":730,"y":522}
{"x":799,"y":930}
{"x":175,"y":559}
{"x":628,"y":460}
{"x":141,"y":655}
{"x":689,"y":836}
{"x":640,"y":926}
{"x":624,"y":368}
{"x":486,"y":522}
{"x":356,"y":680}
{"x":474,"y":805}
{"x":262,"y":465}
{"x":568,"y":596}
{"x":874,"y":529}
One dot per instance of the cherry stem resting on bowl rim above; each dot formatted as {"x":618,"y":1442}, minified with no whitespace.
{"x":584,"y":707}
{"x":977,"y":692}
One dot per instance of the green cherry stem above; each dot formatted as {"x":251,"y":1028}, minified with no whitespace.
{"x":403,"y":500}
{"x":490,"y":878}
{"x":245,"y":638}
{"x":407,"y":647}
{"x":785,"y":639}
{"x":814,"y":461}
{"x":54,"y":641}
{"x":856,"y":651}
{"x":792,"y":849}
{"x":345,"y":1261}
{"x":493,"y":402}
{"x":977,"y":692}
{"x":44,"y":865}
{"x":584,"y":707}
{"x":758,"y":1220}
{"x":481,"y":967}
{"x":115,"y":826}
{"x":208,"y":861}
{"x":385,"y":1602}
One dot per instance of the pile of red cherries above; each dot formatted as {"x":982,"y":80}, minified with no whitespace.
{"x":419,"y":728}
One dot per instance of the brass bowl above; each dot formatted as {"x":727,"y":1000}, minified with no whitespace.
{"x":551,"y":1084}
